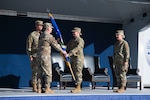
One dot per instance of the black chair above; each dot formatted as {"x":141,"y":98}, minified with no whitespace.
{"x":134,"y":77}
{"x":60,"y":71}
{"x":95,"y":73}
{"x":89,"y":68}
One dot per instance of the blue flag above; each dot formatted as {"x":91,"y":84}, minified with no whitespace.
{"x":58,"y":33}
{"x":61,"y":42}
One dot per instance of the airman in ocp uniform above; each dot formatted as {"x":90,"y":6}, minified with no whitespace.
{"x":31,"y":49}
{"x":121,"y":59}
{"x":75,"y":52}
{"x":46,"y":41}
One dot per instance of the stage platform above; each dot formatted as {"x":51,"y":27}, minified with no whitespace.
{"x":100,"y":93}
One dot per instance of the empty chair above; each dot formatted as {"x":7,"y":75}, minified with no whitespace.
{"x":100,"y":74}
{"x":60,"y":70}
{"x":96,"y":73}
{"x":133,"y":76}
{"x":88,"y":69}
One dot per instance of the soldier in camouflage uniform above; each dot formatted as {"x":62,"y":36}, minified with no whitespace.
{"x":31,"y":48}
{"x":75,"y":52}
{"x":46,"y":40}
{"x":121,"y":59}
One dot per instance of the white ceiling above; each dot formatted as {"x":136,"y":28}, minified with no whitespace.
{"x":101,"y":10}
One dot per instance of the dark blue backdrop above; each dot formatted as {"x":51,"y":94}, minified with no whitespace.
{"x":99,"y":38}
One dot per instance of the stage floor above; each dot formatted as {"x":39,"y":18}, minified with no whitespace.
{"x":8,"y":92}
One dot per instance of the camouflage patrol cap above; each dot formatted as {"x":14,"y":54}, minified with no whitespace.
{"x":47,"y":25}
{"x":77,"y":29}
{"x":38,"y":22}
{"x":121,"y":32}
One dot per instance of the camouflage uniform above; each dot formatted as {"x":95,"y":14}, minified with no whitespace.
{"x":31,"y":49}
{"x":121,"y":55}
{"x":46,"y":40}
{"x":75,"y":48}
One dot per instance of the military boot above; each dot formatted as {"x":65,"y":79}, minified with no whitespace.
{"x":77,"y":89}
{"x":39,"y":89}
{"x":116,"y":90}
{"x":34,"y":87}
{"x":121,"y":90}
{"x":49,"y":90}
